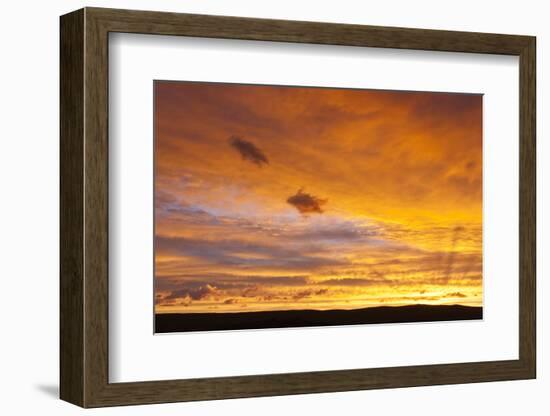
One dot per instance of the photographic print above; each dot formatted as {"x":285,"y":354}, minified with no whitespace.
{"x":293,"y":206}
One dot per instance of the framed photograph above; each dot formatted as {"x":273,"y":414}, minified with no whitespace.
{"x":254,"y":207}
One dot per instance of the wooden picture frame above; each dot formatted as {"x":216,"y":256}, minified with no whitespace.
{"x":84,"y":207}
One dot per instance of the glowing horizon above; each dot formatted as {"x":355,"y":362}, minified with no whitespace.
{"x":279,"y":198}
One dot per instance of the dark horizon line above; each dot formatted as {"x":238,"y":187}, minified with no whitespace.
{"x":211,"y":321}
{"x":456,"y":305}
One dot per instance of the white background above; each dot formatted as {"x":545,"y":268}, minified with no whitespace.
{"x":29,"y":217}
{"x":136,"y":60}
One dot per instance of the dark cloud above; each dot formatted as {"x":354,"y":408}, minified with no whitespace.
{"x":355,"y":282}
{"x":270,"y":297}
{"x":306,"y":203}
{"x":455,"y":295}
{"x":230,"y":301}
{"x":308,"y":293}
{"x":248,"y":150}
{"x":192,"y":292}
{"x":228,"y":281}
{"x":280,"y":280}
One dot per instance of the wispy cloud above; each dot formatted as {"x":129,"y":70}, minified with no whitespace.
{"x":246,"y":254}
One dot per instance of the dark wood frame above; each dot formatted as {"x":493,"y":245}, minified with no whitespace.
{"x":84,"y":207}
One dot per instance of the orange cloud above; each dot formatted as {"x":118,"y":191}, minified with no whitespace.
{"x":397,"y":177}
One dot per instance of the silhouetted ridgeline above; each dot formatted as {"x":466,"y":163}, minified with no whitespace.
{"x":185,"y":322}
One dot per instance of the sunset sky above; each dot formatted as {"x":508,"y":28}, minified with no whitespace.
{"x":277,"y":198}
